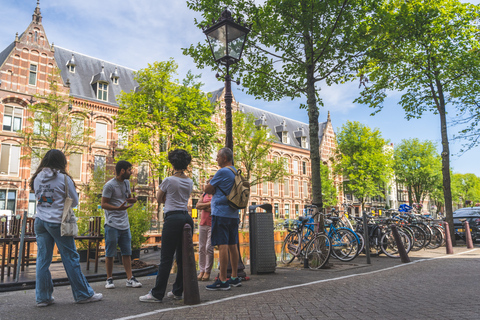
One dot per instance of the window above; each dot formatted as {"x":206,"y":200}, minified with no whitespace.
{"x":297,"y":210}
{"x":295,"y":166}
{"x":102,"y":91}
{"x":7,"y":200}
{"x":275,"y":188}
{"x":71,"y":68}
{"x":265,"y":188}
{"x":41,"y":124}
{"x":77,"y":127}
{"x":275,"y":210}
{"x":295,"y":187}
{"x":12,"y":119}
{"x":253,"y":189}
{"x":32,"y":80}
{"x":115,"y":80}
{"x":99,"y":163}
{"x":75,"y":166}
{"x":32,"y":205}
{"x":304,"y":143}
{"x":9,"y":159}
{"x":285,"y":138}
{"x":287,"y":211}
{"x":142,"y":177}
{"x":101,"y":133}
{"x":286,"y":191}
{"x":304,"y":167}
{"x":34,"y":161}
{"x":305,"y":190}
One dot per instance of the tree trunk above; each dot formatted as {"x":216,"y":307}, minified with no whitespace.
{"x":447,"y":191}
{"x":313,"y":115}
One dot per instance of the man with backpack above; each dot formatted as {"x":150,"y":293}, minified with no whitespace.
{"x":224,"y":220}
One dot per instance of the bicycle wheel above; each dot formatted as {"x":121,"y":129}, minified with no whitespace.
{"x":389,"y":246}
{"x":318,"y":251}
{"x":437,"y":238}
{"x":289,"y":247}
{"x":344,"y":244}
{"x":419,"y":238}
{"x":361,"y":242}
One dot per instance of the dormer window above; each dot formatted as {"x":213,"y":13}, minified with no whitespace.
{"x":115,"y":76}
{"x":285,"y":138}
{"x":282,"y":132}
{"x":100,"y":85}
{"x":71,"y":64}
{"x":102,"y":91}
{"x":304,"y":143}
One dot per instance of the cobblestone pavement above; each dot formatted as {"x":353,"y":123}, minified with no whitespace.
{"x":433,"y":286}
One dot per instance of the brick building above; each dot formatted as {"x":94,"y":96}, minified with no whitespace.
{"x":92,"y":85}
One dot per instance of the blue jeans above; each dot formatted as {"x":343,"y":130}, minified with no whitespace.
{"x":114,"y":236}
{"x":48,"y":234}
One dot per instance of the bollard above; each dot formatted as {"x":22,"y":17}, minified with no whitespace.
{"x":400,"y":247}
{"x":468,"y":235}
{"x":448,"y":239}
{"x":366,"y":237}
{"x":191,"y":293}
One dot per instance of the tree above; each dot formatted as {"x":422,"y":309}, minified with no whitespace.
{"x":163,"y":114}
{"x":362,"y":159}
{"x":294,"y":46}
{"x":252,"y":148}
{"x":417,"y":165}
{"x":329,"y":191}
{"x":428,"y":51}
{"x":53,"y":125}
{"x":466,"y":190}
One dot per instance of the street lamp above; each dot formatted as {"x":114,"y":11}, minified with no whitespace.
{"x":227,"y":39}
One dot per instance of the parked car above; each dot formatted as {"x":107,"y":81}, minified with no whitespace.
{"x":290,"y":224}
{"x":472,"y":215}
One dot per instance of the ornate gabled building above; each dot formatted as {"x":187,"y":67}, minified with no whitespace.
{"x":93,"y":86}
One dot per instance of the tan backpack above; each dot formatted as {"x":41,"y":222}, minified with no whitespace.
{"x":240,"y":193}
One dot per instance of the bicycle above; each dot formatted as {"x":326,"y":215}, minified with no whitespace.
{"x":302,"y":243}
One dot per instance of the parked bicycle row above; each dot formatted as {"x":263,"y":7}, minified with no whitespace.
{"x":344,"y":238}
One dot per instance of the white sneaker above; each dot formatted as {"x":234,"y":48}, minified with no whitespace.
{"x":149,"y":298}
{"x":134,"y":283}
{"x":174,"y":297}
{"x":46,"y":303}
{"x":109,"y":284}
{"x":96,"y":297}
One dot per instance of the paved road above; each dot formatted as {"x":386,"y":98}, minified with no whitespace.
{"x":433,"y":286}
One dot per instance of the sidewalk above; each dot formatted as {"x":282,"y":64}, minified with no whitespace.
{"x":433,"y":286}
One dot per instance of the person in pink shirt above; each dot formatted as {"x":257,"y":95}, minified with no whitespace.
{"x":205,"y":248}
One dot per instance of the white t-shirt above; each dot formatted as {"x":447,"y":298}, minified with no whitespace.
{"x":178,"y":191}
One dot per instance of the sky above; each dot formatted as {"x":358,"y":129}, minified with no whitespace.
{"x":134,"y":33}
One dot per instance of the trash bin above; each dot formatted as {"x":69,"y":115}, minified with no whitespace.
{"x":262,"y":245}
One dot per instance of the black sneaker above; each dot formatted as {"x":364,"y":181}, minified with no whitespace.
{"x":235,"y":283}
{"x":219,"y":285}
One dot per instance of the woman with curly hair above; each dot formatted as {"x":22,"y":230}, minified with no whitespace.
{"x":174,"y":192}
{"x":48,"y":183}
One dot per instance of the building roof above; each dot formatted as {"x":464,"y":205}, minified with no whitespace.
{"x":88,"y":71}
{"x":277,"y":123}
{"x":6,"y":53}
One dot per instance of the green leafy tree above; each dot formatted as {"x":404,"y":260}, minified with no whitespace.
{"x":417,"y":165}
{"x":294,"y":48}
{"x":466,"y":190}
{"x":329,"y":191}
{"x":362,"y":159}
{"x":163,"y":114}
{"x":252,"y":146}
{"x":52,"y":125}
{"x":428,"y":51}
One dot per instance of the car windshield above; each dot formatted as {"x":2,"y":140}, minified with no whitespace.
{"x":466,"y":212}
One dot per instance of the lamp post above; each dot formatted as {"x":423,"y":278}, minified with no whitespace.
{"x":227,"y":39}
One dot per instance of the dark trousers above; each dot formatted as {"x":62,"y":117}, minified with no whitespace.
{"x":171,"y":243}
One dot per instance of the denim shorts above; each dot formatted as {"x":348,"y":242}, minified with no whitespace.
{"x":113,"y":237}
{"x":224,"y":230}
